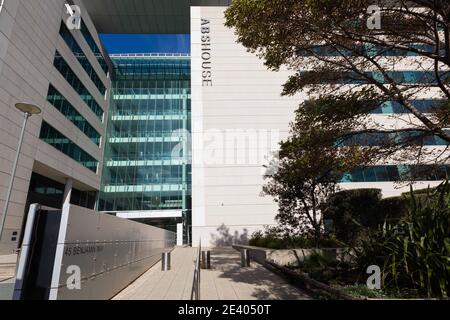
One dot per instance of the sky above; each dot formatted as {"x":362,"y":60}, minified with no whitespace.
{"x":146,"y":43}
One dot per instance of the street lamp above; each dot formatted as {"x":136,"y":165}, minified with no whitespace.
{"x":28,"y":110}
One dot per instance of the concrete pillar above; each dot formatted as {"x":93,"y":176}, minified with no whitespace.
{"x":165,"y":261}
{"x":179,"y":234}
{"x":245,"y":258}
{"x":186,"y":152}
{"x":206,"y":259}
{"x":67,"y":192}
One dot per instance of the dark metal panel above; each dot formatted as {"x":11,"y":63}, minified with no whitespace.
{"x":37,"y":263}
{"x":111,"y":252}
{"x":144,"y":16}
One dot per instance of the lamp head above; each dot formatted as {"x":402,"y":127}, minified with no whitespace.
{"x":28,"y":108}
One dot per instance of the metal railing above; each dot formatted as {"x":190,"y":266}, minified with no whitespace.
{"x":195,"y":293}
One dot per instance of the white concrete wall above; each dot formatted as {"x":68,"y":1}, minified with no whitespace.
{"x":227,"y":202}
{"x":29,"y":37}
{"x":243,"y":95}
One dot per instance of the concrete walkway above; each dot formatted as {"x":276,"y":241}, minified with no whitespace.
{"x":226,"y":281}
{"x":7,"y":266}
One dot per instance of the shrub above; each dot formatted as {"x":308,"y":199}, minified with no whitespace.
{"x":272,"y":239}
{"x":351,"y":211}
{"x":355,"y":212}
{"x":414,"y":252}
{"x":393,"y":209}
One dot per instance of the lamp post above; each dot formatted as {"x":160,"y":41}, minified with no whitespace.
{"x":28,"y":110}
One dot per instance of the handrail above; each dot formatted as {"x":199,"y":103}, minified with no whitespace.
{"x":195,"y":293}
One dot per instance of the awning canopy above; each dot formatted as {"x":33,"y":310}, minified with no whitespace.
{"x":144,"y":16}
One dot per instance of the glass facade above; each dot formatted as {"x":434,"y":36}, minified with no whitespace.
{"x":367,"y":49}
{"x":380,"y":138}
{"x":406,"y":77}
{"x":93,"y":45}
{"x":62,"y":66}
{"x":48,"y":192}
{"x":391,"y":173}
{"x":423,"y":105}
{"x":60,"y":142}
{"x":147,"y":164}
{"x":65,"y":107}
{"x":81,"y":57}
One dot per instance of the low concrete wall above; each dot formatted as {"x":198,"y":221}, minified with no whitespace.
{"x":108,"y":252}
{"x":6,"y":289}
{"x":289,"y":257}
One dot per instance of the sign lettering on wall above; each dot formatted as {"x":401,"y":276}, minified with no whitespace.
{"x":207,"y":80}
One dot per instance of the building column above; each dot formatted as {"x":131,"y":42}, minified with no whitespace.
{"x":179,"y":234}
{"x":67,"y":192}
{"x":185,"y":146}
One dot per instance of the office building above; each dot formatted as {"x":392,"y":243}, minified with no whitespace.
{"x":66,"y":74}
{"x":177,"y":141}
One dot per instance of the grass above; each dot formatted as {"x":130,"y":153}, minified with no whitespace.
{"x":361,"y":290}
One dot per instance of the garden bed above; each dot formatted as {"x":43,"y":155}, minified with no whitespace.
{"x":299,"y":279}
{"x":333,"y":281}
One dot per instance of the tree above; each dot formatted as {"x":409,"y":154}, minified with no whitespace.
{"x":307,"y":172}
{"x":333,"y":54}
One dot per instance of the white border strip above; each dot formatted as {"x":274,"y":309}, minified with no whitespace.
{"x":150,"y":214}
{"x":59,"y":253}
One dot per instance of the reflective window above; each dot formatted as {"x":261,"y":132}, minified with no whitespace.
{"x":65,"y":107}
{"x":60,"y":142}
{"x":367,"y":49}
{"x":81,"y":57}
{"x":48,"y":192}
{"x":391,"y":173}
{"x":408,"y":77}
{"x":423,"y":106}
{"x":405,"y":77}
{"x":93,"y":45}
{"x":77,"y":85}
{"x":149,"y":119}
{"x":372,"y":174}
{"x":381,"y":138}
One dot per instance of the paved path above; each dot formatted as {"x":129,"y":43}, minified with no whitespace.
{"x":226,"y":281}
{"x":7,"y":266}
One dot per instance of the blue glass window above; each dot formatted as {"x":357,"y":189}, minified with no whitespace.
{"x":150,"y":103}
{"x":380,"y":138}
{"x":390,"y":173}
{"x":60,"y":142}
{"x":405,"y":77}
{"x":81,"y":57}
{"x":65,"y":107}
{"x":423,"y":106}
{"x":368,"y":49}
{"x":65,"y":70}
{"x":93,"y":45}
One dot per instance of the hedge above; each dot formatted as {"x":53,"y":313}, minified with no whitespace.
{"x":353,"y":212}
